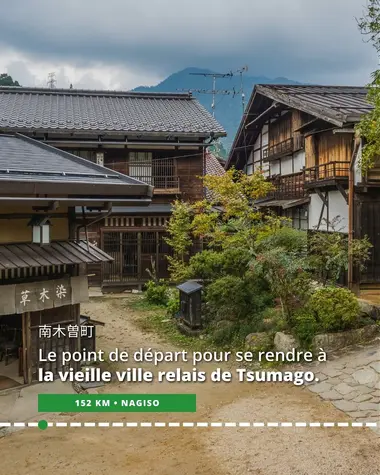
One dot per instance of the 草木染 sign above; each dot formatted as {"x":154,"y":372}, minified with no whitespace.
{"x":43,"y":295}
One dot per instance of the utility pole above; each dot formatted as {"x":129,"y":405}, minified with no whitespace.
{"x":51,"y":81}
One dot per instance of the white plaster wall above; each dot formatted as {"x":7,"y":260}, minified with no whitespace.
{"x":315,"y":207}
{"x":338,"y":207}
{"x":265,"y":135}
{"x":275,"y":167}
{"x":357,"y":170}
{"x":286,"y":166}
{"x":299,"y":160}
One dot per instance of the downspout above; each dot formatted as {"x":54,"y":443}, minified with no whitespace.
{"x":351,"y":219}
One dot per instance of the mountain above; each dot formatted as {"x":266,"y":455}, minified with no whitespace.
{"x":228,"y":108}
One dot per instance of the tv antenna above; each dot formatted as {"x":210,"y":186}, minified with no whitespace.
{"x":51,"y":81}
{"x":224,"y":92}
{"x":214,"y":91}
{"x":241,"y":71}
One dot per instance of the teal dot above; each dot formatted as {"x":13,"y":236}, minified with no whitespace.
{"x":43,"y":425}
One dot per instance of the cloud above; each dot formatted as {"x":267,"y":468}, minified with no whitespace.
{"x":124,"y":43}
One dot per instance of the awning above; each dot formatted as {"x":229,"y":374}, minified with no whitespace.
{"x":20,"y":256}
{"x":284,"y":204}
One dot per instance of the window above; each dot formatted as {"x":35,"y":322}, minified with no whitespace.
{"x":300,"y":218}
{"x":140,"y":166}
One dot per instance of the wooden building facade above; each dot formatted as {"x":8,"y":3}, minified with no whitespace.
{"x":43,"y":263}
{"x":158,"y":139}
{"x":303,"y":138}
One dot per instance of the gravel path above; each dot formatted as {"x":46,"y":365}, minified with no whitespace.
{"x":195,"y":451}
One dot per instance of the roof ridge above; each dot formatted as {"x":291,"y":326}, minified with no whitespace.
{"x":95,"y":92}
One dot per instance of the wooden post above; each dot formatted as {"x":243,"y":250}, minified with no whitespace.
{"x":351,"y":214}
{"x":26,"y":344}
{"x":24,"y":351}
{"x":72,"y":223}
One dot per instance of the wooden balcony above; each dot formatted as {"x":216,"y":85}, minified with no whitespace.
{"x":288,"y":187}
{"x":160,"y":173}
{"x":162,"y":184}
{"x":284,"y":148}
{"x":327,"y":173}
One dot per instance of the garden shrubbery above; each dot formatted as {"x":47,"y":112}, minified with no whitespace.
{"x":259,"y":274}
{"x":157,"y":293}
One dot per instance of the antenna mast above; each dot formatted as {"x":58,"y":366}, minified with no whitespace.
{"x":214,"y":91}
{"x":241,"y":71}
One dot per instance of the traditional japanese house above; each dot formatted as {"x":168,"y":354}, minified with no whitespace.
{"x":158,"y":138}
{"x":43,"y":261}
{"x":303,"y":139}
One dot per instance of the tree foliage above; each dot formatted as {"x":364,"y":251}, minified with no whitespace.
{"x":252,"y":261}
{"x":6,"y":80}
{"x":369,"y":126}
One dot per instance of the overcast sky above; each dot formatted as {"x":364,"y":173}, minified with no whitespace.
{"x":121,"y":44}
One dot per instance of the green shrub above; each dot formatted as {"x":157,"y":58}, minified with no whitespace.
{"x":305,"y":327}
{"x":172,"y":305}
{"x":237,"y":298}
{"x":334,"y":308}
{"x":157,"y":292}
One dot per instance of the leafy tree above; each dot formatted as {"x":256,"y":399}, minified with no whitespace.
{"x":330,"y":253}
{"x":180,"y":240}
{"x":6,"y":80}
{"x":369,"y":126}
{"x":281,"y":259}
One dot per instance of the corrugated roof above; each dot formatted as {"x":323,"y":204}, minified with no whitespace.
{"x":25,"y":159}
{"x":103,"y":111}
{"x":337,"y":105}
{"x":342,"y":103}
{"x":19,"y":256}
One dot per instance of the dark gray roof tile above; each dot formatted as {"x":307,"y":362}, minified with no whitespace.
{"x":108,"y":111}
{"x":25,"y":159}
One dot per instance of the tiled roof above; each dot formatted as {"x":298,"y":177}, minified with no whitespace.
{"x":342,"y":103}
{"x":23,"y":159}
{"x":24,"y":109}
{"x":212,"y":167}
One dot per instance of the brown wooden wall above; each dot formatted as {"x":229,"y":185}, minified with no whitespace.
{"x":367,"y":223}
{"x":190,"y":171}
{"x":189,"y":168}
{"x":280,"y":130}
{"x":327,"y":147}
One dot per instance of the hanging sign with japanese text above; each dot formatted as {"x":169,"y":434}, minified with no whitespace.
{"x":37,"y":296}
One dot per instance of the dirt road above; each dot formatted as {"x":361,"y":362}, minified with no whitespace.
{"x":194,"y":451}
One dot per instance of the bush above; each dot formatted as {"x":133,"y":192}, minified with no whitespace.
{"x":334,"y":308}
{"x":172,"y":305}
{"x":305,"y":327}
{"x":157,"y":292}
{"x":237,"y":298}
